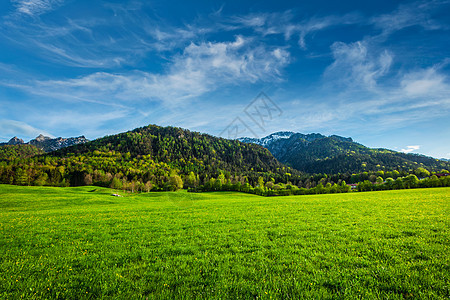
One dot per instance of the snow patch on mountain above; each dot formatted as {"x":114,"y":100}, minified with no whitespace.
{"x":266,"y":141}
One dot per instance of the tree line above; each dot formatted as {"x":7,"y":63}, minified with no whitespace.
{"x":156,"y":158}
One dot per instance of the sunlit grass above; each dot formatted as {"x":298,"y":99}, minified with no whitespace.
{"x":83,"y":243}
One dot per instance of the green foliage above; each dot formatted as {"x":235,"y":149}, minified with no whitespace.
{"x":422,"y":172}
{"x":148,"y":154}
{"x":13,"y":152}
{"x":333,"y":155}
{"x":156,"y":158}
{"x":175,"y":182}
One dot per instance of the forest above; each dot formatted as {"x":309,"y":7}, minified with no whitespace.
{"x":154,"y":158}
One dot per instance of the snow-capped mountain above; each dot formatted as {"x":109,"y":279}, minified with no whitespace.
{"x":268,"y":140}
{"x":317,"y":153}
{"x":48,"y":144}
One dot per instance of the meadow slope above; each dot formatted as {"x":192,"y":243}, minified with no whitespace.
{"x":82,"y":243}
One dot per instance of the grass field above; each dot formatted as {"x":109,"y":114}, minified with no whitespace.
{"x":82,"y":243}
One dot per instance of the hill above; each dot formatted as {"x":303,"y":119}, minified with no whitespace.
{"x":18,"y":151}
{"x":316,"y":153}
{"x":154,"y":155}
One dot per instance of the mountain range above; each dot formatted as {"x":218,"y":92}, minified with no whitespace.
{"x":150,"y":154}
{"x":317,"y":153}
{"x":48,"y":144}
{"x":186,"y":151}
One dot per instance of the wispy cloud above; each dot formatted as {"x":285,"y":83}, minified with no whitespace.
{"x":36,"y":7}
{"x":201,"y":68}
{"x":356,"y":65}
{"x":426,"y":82}
{"x":407,"y":15}
{"x":318,"y":24}
{"x":409,"y":149}
{"x":20,"y":129}
{"x":284,"y":24}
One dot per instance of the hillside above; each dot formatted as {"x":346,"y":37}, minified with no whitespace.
{"x":316,"y":153}
{"x":18,"y":151}
{"x":151,"y":154}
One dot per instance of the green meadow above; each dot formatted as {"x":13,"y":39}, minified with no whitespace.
{"x":83,"y":243}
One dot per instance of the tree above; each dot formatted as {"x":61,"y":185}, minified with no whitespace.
{"x":410,"y":181}
{"x":87,"y":179}
{"x":261,"y":182}
{"x":320,"y":189}
{"x":390,"y":182}
{"x":422,"y":172}
{"x":116,"y":183}
{"x":344,"y":187}
{"x":175,"y":182}
{"x":148,"y":186}
{"x":364,"y":186}
{"x":21,"y":177}
{"x":217,"y":185}
{"x":269,"y":185}
{"x":41,"y":179}
{"x":191,"y":180}
{"x":221,"y":178}
{"x":398,"y":183}
{"x":434,"y":181}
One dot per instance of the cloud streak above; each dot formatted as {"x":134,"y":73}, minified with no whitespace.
{"x":200,"y":69}
{"x":36,"y":7}
{"x":410,"y":149}
{"x":21,"y":129}
{"x":408,"y":15}
{"x":356,"y":65}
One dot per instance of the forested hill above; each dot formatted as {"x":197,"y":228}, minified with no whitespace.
{"x":150,"y":155}
{"x":183,"y":149}
{"x":19,"y":151}
{"x":316,"y":153}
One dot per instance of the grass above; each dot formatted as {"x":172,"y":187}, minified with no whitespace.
{"x":82,"y":243}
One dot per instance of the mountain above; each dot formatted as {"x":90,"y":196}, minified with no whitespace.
{"x":48,"y":144}
{"x":151,"y":154}
{"x":14,"y":141}
{"x":268,"y":140}
{"x":316,"y":153}
{"x":184,"y":149}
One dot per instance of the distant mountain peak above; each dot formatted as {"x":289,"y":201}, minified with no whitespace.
{"x":317,"y":153}
{"x":41,"y":138}
{"x":265,"y":141}
{"x":15,"y":141}
{"x":48,"y":144}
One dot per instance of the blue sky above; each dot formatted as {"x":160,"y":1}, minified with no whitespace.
{"x":377,"y":71}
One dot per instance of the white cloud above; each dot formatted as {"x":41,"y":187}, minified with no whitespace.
{"x":355,"y":65}
{"x":201,"y":68}
{"x":407,"y":15}
{"x":283,"y":24}
{"x":424,"y":83}
{"x":36,"y":7}
{"x":20,"y":129}
{"x":318,"y":24}
{"x":410,"y":149}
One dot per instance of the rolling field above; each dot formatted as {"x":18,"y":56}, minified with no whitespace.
{"x":82,"y":243}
